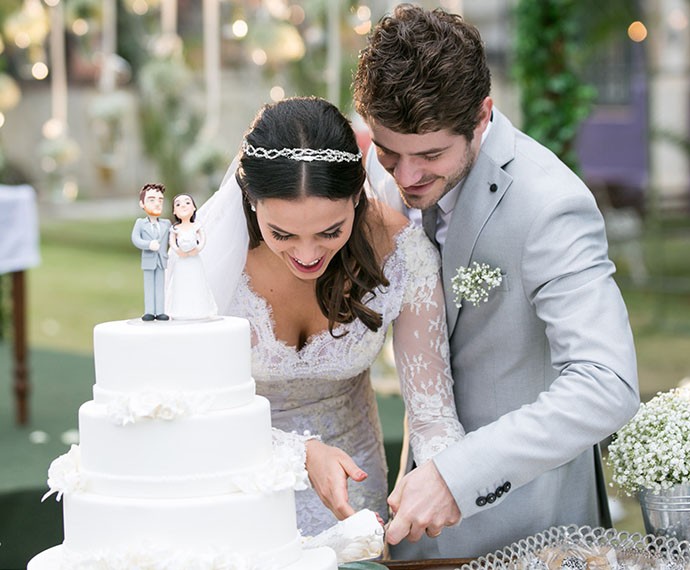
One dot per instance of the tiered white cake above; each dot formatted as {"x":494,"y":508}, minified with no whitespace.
{"x":177,"y":467}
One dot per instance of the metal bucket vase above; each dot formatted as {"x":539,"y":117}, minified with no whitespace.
{"x":667,"y":513}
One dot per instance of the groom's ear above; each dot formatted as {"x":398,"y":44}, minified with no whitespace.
{"x":485,"y":112}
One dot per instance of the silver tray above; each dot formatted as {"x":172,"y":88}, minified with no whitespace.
{"x":633,"y":551}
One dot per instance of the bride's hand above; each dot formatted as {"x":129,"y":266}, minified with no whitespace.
{"x":329,"y":468}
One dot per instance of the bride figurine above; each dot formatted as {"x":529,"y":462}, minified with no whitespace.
{"x":189,"y":296}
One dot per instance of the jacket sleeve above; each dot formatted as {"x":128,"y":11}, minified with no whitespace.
{"x":137,"y":239}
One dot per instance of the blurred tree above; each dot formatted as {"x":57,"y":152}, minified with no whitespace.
{"x":170,"y":118}
{"x":10,"y":94}
{"x":296,"y":44}
{"x":555,"y":41}
{"x":554,"y":99}
{"x":7,"y":7}
{"x":133,"y":33}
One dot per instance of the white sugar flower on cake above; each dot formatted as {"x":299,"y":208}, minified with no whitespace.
{"x":287,"y":469}
{"x":134,"y":407}
{"x":64,"y":474}
{"x":290,"y":459}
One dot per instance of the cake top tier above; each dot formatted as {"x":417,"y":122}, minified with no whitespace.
{"x":211,"y":357}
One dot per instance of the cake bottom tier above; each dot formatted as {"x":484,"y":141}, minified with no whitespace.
{"x":238,"y":524}
{"x":313,"y":559}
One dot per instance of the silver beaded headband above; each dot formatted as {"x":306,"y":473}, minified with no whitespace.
{"x":303,"y":154}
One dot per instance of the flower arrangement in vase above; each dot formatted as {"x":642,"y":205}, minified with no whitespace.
{"x":650,"y":458}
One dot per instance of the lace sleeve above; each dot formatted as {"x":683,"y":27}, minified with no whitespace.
{"x":420,"y":342}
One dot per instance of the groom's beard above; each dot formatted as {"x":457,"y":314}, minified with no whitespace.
{"x":467,"y":162}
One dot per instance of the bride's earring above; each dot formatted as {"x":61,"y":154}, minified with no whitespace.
{"x":253,"y":207}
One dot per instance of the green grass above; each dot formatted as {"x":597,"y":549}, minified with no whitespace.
{"x":89,"y":274}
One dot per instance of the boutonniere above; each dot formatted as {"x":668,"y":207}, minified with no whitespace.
{"x":474,"y":283}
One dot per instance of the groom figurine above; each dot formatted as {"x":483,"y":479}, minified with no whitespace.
{"x":150,"y":235}
{"x":545,"y":368}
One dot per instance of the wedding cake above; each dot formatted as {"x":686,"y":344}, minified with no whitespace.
{"x":177,"y":465}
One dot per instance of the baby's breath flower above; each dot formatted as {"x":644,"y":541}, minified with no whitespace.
{"x":653,"y":449}
{"x":474,"y":283}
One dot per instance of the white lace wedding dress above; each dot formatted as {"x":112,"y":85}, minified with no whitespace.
{"x":324,"y":388}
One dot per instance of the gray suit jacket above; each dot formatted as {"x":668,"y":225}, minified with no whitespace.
{"x":142,"y":234}
{"x":546,"y":368}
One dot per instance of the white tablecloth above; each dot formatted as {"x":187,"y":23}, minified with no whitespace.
{"x":19,"y":241}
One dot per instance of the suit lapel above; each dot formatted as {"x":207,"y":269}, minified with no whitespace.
{"x":480,"y":194}
{"x":146,"y":228}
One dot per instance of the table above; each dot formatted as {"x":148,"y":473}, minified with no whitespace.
{"x":438,"y":564}
{"x":19,"y":251}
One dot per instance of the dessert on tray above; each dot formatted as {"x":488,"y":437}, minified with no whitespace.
{"x":586,"y":548}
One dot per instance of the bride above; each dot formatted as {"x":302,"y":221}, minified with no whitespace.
{"x":322,"y":272}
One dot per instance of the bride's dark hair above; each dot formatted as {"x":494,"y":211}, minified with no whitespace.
{"x":178,"y":220}
{"x":355,"y":273}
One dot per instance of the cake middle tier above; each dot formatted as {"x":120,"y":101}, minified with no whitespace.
{"x":188,"y":456}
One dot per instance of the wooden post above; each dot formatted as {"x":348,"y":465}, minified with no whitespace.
{"x":21,"y":375}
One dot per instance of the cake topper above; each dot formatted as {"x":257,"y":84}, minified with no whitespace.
{"x":150,"y":235}
{"x":188,"y":295}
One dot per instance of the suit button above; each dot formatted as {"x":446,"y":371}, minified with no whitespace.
{"x":493,"y":188}
{"x":481,"y":501}
{"x":491,"y":498}
{"x":506,"y":486}
{"x":499,"y":491}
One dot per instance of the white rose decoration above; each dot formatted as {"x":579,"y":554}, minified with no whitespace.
{"x":64,"y":474}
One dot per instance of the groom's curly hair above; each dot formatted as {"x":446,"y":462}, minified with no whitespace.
{"x":422,"y":71}
{"x":355,"y":274}
{"x":150,"y":186}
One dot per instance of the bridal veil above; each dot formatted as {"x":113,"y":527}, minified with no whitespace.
{"x":227,"y":240}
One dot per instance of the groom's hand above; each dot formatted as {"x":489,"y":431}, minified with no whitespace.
{"x":421,"y":503}
{"x":329,"y":469}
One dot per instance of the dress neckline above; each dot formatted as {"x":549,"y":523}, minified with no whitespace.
{"x":315,"y":338}
{"x":268,"y":309}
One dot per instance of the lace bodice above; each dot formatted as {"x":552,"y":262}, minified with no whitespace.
{"x":324,"y":387}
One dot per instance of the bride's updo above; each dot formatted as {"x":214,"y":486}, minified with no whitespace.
{"x":272,"y":164}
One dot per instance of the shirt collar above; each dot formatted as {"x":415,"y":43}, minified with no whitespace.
{"x":447,"y":202}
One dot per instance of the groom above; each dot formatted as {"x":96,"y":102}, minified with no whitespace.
{"x":545,"y":368}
